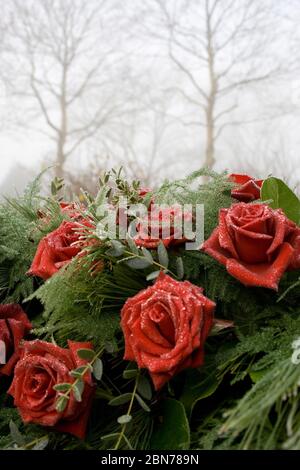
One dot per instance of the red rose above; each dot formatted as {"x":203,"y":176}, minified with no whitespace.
{"x":256,"y":244}
{"x":165,"y":327}
{"x":14,"y":326}
{"x":150,"y":230}
{"x":248,"y":189}
{"x":56,"y":250}
{"x":41,"y":366}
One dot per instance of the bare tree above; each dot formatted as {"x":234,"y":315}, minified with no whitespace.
{"x":148,"y":143}
{"x":220,"y":47}
{"x":68,"y":61}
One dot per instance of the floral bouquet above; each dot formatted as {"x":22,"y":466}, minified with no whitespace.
{"x":151,"y":319}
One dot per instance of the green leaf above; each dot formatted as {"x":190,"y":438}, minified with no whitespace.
{"x":130,"y":373}
{"x":87,"y":354}
{"x":78,"y":389}
{"x":77,"y":373}
{"x":98,"y":369}
{"x":110,"y":347}
{"x":61,"y":404}
{"x":62,"y":387}
{"x":179,"y":268}
{"x":110,"y":436}
{"x":117,"y":249}
{"x":142,"y":403}
{"x":198,"y":385}
{"x":144,"y":387}
{"x":282,"y":198}
{"x":124,"y":419}
{"x":138,"y":263}
{"x":127,"y":442}
{"x":174,"y":432}
{"x":163,"y":256}
{"x":147,"y":255}
{"x":120,"y":400}
{"x":41,"y":445}
{"x":256,"y":375}
{"x":153,"y":275}
{"x":15,"y":434}
{"x":133,"y":248}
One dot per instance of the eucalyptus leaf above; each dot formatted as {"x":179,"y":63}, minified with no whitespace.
{"x":41,"y":445}
{"x":144,"y":387}
{"x":87,"y":354}
{"x":62,"y":387}
{"x":130,"y":373}
{"x":133,"y":248}
{"x":110,"y":347}
{"x":110,"y":436}
{"x":138,"y":263}
{"x":120,"y":400}
{"x":117,"y":245}
{"x":117,"y":249}
{"x":152,"y":275}
{"x":127,"y":442}
{"x":77,"y":373}
{"x":98,"y":369}
{"x":179,"y":268}
{"x":163,"y":256}
{"x":124,"y":419}
{"x":78,"y":388}
{"x":147,"y":254}
{"x":142,"y":403}
{"x":61,"y":404}
{"x":15,"y":434}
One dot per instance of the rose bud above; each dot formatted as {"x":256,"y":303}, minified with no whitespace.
{"x":248,"y":188}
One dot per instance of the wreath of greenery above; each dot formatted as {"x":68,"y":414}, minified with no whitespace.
{"x":245,"y":396}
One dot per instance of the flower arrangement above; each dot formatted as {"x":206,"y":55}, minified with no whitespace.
{"x":120,"y":328}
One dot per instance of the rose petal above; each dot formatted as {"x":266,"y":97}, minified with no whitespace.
{"x":265,"y":274}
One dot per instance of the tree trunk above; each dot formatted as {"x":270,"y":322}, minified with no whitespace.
{"x":210,"y":137}
{"x":60,"y":156}
{"x":62,"y":136}
{"x":211,"y":99}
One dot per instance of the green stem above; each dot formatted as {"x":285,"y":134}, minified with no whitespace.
{"x":82,"y":374}
{"x":34,"y":442}
{"x":160,"y":266}
{"x":121,"y":435}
